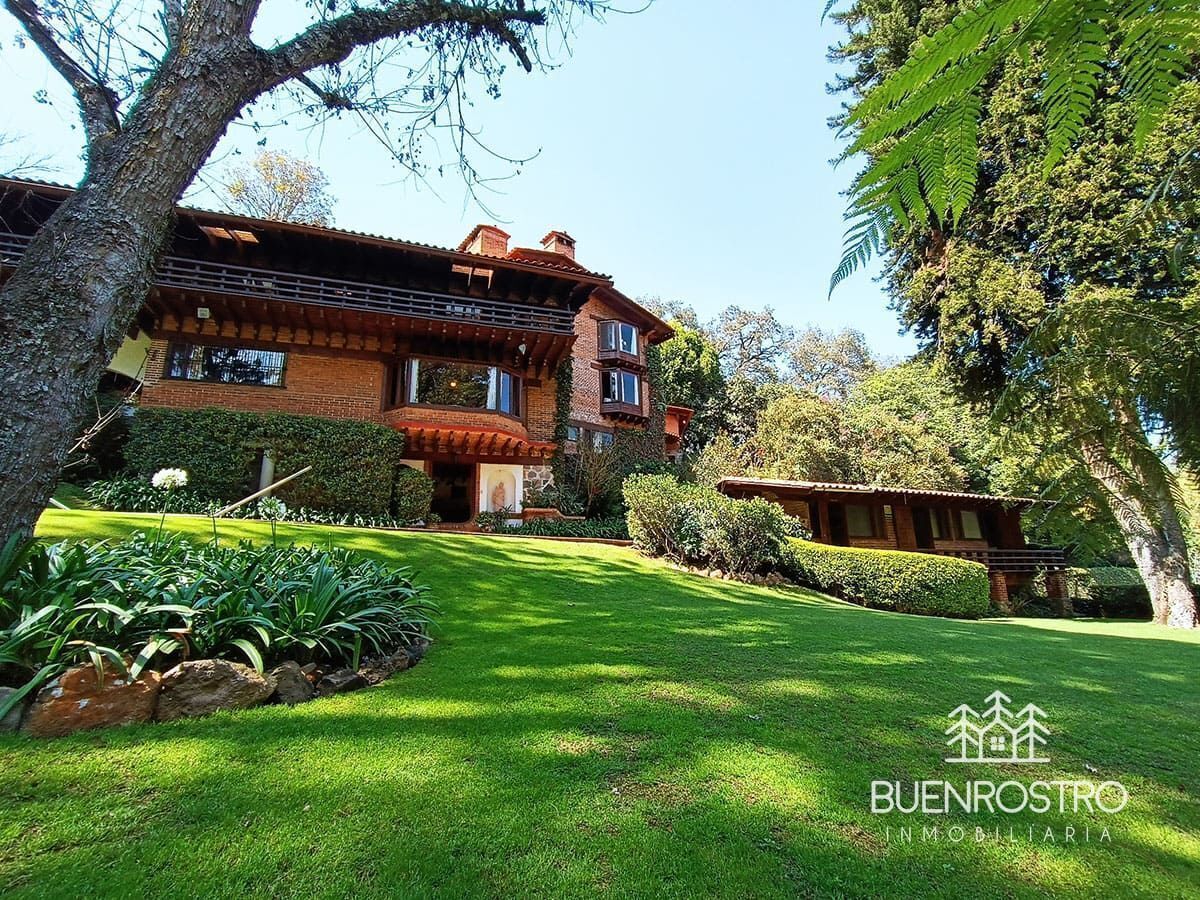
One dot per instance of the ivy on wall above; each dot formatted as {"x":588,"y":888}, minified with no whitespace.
{"x":354,"y":463}
{"x":644,"y":449}
{"x":563,"y":389}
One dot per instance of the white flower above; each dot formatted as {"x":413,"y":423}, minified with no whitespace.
{"x":169,"y":479}
{"x":272,"y":508}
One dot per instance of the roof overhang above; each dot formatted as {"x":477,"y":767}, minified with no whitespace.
{"x":798,"y":489}
{"x":464,"y":440}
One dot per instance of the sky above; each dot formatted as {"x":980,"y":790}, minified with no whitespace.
{"x":685,"y":148}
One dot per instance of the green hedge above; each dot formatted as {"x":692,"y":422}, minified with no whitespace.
{"x":354,"y":463}
{"x":612,"y":529}
{"x":1110,"y":592}
{"x":920,"y":583}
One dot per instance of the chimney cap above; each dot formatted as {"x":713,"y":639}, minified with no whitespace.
{"x":556,"y":234}
{"x":491,"y":229}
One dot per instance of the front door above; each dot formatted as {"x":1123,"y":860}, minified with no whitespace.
{"x":837,"y":525}
{"x":452,"y":484}
{"x":923,"y":527}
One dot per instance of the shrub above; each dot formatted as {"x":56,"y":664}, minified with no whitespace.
{"x":128,"y":494}
{"x":139,"y":598}
{"x":412,"y":493}
{"x":696,"y":525}
{"x":354,"y":463}
{"x":920,"y":583}
{"x":1110,"y":592}
{"x":611,"y":529}
{"x":493,"y":521}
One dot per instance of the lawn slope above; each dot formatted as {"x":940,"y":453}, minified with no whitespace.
{"x":589,"y":721}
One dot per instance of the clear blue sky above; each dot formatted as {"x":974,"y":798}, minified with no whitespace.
{"x":685,"y":148}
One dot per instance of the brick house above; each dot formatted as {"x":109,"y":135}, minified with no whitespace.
{"x":984,"y":528}
{"x":459,"y":349}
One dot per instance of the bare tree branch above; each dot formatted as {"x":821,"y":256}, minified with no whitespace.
{"x":330,"y":42}
{"x":97,"y":101}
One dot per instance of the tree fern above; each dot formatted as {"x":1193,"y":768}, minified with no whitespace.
{"x":919,"y":128}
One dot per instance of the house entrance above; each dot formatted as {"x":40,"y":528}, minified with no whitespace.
{"x":452,"y":491}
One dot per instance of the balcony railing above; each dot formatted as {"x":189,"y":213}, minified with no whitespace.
{"x":180,"y":273}
{"x":1053,"y":560}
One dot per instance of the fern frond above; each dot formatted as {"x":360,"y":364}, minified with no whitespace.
{"x":1160,"y":41}
{"x":961,"y":164}
{"x":1077,"y":42}
{"x":864,"y":238}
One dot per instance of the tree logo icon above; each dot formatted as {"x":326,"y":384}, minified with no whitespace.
{"x":998,"y":734}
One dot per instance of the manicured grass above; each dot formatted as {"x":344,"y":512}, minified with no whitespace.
{"x":592,"y":722}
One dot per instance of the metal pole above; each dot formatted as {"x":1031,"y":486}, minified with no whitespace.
{"x":232,"y":506}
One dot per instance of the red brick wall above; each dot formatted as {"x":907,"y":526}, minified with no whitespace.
{"x":316,"y":383}
{"x":585,"y":380}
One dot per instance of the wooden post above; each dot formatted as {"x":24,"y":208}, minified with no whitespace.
{"x":232,"y":506}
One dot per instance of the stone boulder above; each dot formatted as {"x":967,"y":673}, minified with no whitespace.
{"x":12,"y":719}
{"x":340,"y":681}
{"x":203,"y":686}
{"x":75,"y":701}
{"x":291,"y":684}
{"x":381,"y":668}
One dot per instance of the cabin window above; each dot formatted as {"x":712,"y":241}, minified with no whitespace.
{"x":573,"y":432}
{"x":814,"y":518}
{"x":602,"y":440}
{"x":226,"y":365}
{"x":971,"y":530}
{"x":466,"y":385}
{"x":619,"y":336}
{"x":617,"y":386}
{"x":861,"y":521}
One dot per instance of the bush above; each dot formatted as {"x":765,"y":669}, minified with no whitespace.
{"x":696,"y":525}
{"x":919,"y":583}
{"x":140,"y":598}
{"x":412,"y":494}
{"x":1110,"y":592}
{"x":612,"y":529}
{"x":354,"y":463}
{"x":139,"y":495}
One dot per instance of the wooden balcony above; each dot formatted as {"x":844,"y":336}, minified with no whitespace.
{"x":1018,"y":561}
{"x":631,"y":412}
{"x":201,"y":277}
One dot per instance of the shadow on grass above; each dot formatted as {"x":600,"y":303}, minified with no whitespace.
{"x":589,"y":721}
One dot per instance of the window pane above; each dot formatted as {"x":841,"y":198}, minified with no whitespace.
{"x":608,"y":335}
{"x":452,"y":384}
{"x":629,"y":387}
{"x":601,"y":440}
{"x":228,"y":365}
{"x":935,"y":524}
{"x":970,"y":525}
{"x":510,"y":391}
{"x":609,"y":387}
{"x":859,"y":521}
{"x":572,"y":432}
{"x":628,"y":339}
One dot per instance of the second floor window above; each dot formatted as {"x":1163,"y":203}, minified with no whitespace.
{"x":226,"y":365}
{"x":618,"y":386}
{"x":619,"y":336}
{"x":463,"y":384}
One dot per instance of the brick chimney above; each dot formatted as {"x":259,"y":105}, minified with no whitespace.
{"x":486,"y":240}
{"x":559,"y":242}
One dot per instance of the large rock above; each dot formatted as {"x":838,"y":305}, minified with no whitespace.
{"x":291,"y":684}
{"x":340,"y":681}
{"x":204,"y":686}
{"x":12,"y":719}
{"x":380,"y":668}
{"x":75,"y":701}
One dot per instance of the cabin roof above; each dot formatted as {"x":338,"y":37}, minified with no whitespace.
{"x":868,"y":490}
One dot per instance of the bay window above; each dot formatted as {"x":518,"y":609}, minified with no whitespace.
{"x":619,"y":386}
{"x":438,"y":383}
{"x":620,"y":337}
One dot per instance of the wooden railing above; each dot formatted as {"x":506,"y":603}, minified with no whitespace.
{"x":1012,"y":560}
{"x":181,"y":273}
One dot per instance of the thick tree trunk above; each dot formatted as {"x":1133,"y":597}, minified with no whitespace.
{"x":1152,"y":530}
{"x":87,"y":272}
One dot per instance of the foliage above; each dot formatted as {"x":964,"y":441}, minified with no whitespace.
{"x":919,"y":583}
{"x":354,"y":463}
{"x":412,"y":494}
{"x":593,"y":474}
{"x":488,"y":521}
{"x":829,"y":364}
{"x":721,"y":457}
{"x":278,"y":186}
{"x":800,"y":436}
{"x":154,"y":601}
{"x":696,"y":525}
{"x":691,"y":377}
{"x":921,"y":123}
{"x":610,"y":529}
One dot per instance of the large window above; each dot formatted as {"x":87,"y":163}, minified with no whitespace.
{"x":619,"y":336}
{"x":619,"y":386}
{"x":971,"y":530}
{"x":227,"y":365}
{"x":463,"y":384}
{"x":862,"y":521}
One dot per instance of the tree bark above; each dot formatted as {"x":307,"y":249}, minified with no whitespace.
{"x":1153,"y":533}
{"x":85,"y":275}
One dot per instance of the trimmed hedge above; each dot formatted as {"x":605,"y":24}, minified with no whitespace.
{"x":354,"y":463}
{"x":612,"y":529}
{"x":1110,"y":592}
{"x":412,"y":494}
{"x":697,"y":525}
{"x":919,"y":583}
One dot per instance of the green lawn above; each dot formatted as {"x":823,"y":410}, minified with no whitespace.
{"x":588,"y":722}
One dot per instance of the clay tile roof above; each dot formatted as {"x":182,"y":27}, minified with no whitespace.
{"x":866,"y":489}
{"x":466,"y":242}
{"x":546,"y":258}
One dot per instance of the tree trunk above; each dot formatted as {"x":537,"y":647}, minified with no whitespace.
{"x":1151,"y":527}
{"x":86,"y":274}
